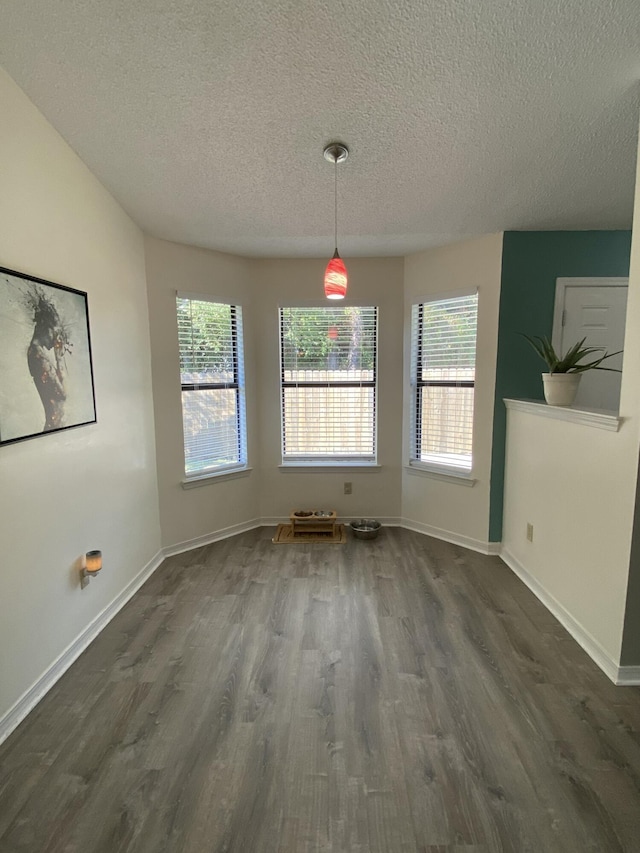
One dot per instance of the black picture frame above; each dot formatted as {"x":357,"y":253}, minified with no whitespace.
{"x":46,"y":368}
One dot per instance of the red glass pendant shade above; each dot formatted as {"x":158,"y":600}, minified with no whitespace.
{"x":335,"y":275}
{"x":335,"y":278}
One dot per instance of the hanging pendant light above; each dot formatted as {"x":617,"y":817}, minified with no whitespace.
{"x":335,"y":275}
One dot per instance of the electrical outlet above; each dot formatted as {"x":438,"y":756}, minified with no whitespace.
{"x":530,"y":532}
{"x":348,"y":488}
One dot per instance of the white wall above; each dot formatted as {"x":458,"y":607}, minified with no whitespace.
{"x":92,"y":487}
{"x":219,"y":504}
{"x":577,"y":486}
{"x":376,"y":492}
{"x":449,"y":508}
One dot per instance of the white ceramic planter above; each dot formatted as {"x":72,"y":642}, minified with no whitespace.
{"x":560,"y":389}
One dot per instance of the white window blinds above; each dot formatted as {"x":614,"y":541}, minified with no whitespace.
{"x":328,"y":384}
{"x":212,"y":380}
{"x":443,"y":360}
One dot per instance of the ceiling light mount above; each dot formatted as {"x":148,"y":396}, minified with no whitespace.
{"x":336,"y":152}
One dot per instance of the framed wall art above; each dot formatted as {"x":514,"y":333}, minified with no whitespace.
{"x":46,"y":373}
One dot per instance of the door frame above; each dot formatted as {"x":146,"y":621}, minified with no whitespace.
{"x":561,"y":288}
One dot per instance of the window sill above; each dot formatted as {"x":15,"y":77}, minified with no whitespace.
{"x":454,"y":475}
{"x":325,"y":467}
{"x":213,"y":477}
{"x":598,"y":418}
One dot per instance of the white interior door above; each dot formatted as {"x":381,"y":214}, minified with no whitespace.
{"x":595,"y":309}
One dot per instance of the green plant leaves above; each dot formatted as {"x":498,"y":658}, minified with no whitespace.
{"x":571,"y":361}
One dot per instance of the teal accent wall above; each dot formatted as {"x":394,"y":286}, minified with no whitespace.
{"x":531,"y":262}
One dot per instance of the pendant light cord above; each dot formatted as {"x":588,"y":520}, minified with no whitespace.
{"x":335,"y":196}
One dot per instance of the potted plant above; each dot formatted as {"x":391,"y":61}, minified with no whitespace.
{"x":562,"y":380}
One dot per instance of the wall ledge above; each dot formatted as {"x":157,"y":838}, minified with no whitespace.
{"x":598,"y":418}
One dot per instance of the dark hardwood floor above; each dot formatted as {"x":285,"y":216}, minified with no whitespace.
{"x":394,"y":696}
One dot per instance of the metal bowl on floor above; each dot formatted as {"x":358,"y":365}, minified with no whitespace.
{"x":365,"y":528}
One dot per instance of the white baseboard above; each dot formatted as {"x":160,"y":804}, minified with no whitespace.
{"x":580,"y":634}
{"x":30,"y":698}
{"x":454,"y":538}
{"x":388,"y":521}
{"x":27,"y":702}
{"x":622,"y":675}
{"x":628,"y":676}
{"x":208,"y":538}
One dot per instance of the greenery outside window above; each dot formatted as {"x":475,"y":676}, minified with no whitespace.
{"x":328,"y":385}
{"x":443,"y":367}
{"x":212,"y":381}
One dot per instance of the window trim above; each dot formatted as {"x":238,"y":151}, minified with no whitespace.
{"x":327,"y":462}
{"x":320,"y":467}
{"x":229,"y":469}
{"x":228,"y":473}
{"x":461,"y":476}
{"x":414,"y":464}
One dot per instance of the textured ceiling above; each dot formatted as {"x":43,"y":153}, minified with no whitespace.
{"x":207,"y":119}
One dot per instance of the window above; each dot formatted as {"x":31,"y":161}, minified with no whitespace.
{"x":212,"y":379}
{"x":443,"y":360}
{"x":328,"y":381}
